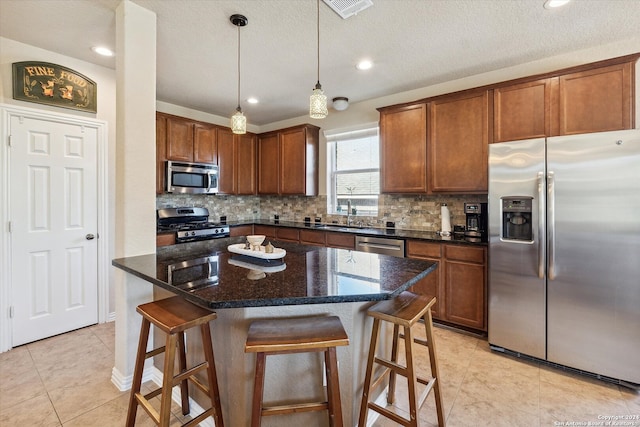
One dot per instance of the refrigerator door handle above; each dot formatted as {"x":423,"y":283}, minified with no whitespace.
{"x":551,"y":225}
{"x":541,"y":221}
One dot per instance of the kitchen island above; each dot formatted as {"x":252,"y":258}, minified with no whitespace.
{"x":309,"y":280}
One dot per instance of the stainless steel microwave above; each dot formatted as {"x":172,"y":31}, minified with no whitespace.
{"x":198,"y":178}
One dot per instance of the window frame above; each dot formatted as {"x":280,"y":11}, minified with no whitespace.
{"x":334,"y":138}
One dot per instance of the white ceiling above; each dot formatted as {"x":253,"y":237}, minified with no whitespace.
{"x":413,"y":44}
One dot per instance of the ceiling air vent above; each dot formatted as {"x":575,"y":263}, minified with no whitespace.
{"x":347,"y":8}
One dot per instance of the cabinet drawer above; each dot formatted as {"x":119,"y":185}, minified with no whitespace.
{"x":418,"y":249}
{"x":340,"y":240}
{"x":165,"y":239}
{"x":241,"y":230}
{"x":287,"y":234}
{"x":464,"y":253}
{"x":313,"y":237}
{"x":266,"y":230}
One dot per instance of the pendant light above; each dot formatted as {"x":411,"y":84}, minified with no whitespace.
{"x":318,"y":100}
{"x":238,"y":120}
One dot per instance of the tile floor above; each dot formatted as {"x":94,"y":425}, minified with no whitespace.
{"x":66,"y":381}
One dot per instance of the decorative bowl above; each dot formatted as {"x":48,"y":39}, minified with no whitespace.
{"x":256,"y":239}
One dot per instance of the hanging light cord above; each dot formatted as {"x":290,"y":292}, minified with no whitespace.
{"x":238,"y":109}
{"x":318,"y":50}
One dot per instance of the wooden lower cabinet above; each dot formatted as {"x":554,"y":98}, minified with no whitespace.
{"x":312,"y":237}
{"x":459,"y":283}
{"x":267,"y":230}
{"x":288,"y":234}
{"x":307,"y":237}
{"x":432,"y":284}
{"x":241,"y":230}
{"x":340,"y":240}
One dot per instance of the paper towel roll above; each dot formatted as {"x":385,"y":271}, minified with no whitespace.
{"x":446,"y":220}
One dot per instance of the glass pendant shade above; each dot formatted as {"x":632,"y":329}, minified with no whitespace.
{"x":239,"y":122}
{"x":318,"y":104}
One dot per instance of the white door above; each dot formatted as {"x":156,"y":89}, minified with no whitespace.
{"x":53,"y":214}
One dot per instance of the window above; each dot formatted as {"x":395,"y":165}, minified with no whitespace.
{"x":354,"y":171}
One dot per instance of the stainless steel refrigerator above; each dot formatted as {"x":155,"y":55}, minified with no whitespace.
{"x":564,"y":251}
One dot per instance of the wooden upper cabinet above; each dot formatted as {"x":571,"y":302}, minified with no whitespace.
{"x":161,"y":152}
{"x":186,"y":140}
{"x":403,"y":149}
{"x":204,"y":143}
{"x":179,"y":139}
{"x":246,"y":164}
{"x":226,"y":161}
{"x":458,"y":143}
{"x":236,"y":162}
{"x":288,"y":161}
{"x":268,"y":164}
{"x":522,"y":111}
{"x":596,"y":100}
{"x":301,"y":176}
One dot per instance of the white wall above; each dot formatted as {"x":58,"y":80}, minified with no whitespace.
{"x":105,"y":78}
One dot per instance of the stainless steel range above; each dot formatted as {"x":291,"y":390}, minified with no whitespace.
{"x":190,"y":224}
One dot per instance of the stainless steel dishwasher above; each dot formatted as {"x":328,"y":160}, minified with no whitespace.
{"x":380,"y":245}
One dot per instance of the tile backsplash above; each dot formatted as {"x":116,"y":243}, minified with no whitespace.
{"x":409,"y":212}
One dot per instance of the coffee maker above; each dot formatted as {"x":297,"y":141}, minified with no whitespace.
{"x":477,"y":220}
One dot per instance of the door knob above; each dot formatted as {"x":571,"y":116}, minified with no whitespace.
{"x":90,"y":236}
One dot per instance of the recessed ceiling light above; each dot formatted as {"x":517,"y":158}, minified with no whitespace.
{"x":552,"y":4}
{"x":252,"y":100}
{"x":102,"y":51}
{"x":364,"y":65}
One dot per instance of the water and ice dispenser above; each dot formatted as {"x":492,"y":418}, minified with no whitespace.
{"x":516,"y":218}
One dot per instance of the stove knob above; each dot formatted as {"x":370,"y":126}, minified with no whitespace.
{"x":217,"y":230}
{"x":193,"y":233}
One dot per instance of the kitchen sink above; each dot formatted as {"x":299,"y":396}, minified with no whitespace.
{"x":337,"y":227}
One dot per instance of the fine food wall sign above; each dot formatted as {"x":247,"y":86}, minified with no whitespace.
{"x":53,"y":84}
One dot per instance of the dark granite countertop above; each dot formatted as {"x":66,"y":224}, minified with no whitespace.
{"x":207,"y":274}
{"x":368,"y":231}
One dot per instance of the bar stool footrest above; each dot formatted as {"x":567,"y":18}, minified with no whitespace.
{"x":377,"y":381}
{"x":295,"y":407}
{"x":416,"y":340}
{"x":186,"y":375}
{"x":152,"y":394}
{"x":399,"y":369}
{"x":155,"y":352}
{"x":146,"y":405}
{"x":197,"y":420}
{"x":198,"y":384}
{"x":425,"y":393}
{"x":387,"y":413}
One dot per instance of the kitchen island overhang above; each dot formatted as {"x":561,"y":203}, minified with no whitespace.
{"x":308,"y":275}
{"x":316,"y":281}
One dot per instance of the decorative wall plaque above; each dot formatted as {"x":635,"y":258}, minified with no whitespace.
{"x":53,"y":84}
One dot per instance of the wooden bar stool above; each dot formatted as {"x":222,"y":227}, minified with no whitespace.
{"x":173,"y":316}
{"x":284,"y":336}
{"x":404,"y":310}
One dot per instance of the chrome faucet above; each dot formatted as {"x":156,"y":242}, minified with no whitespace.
{"x":349,"y":213}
